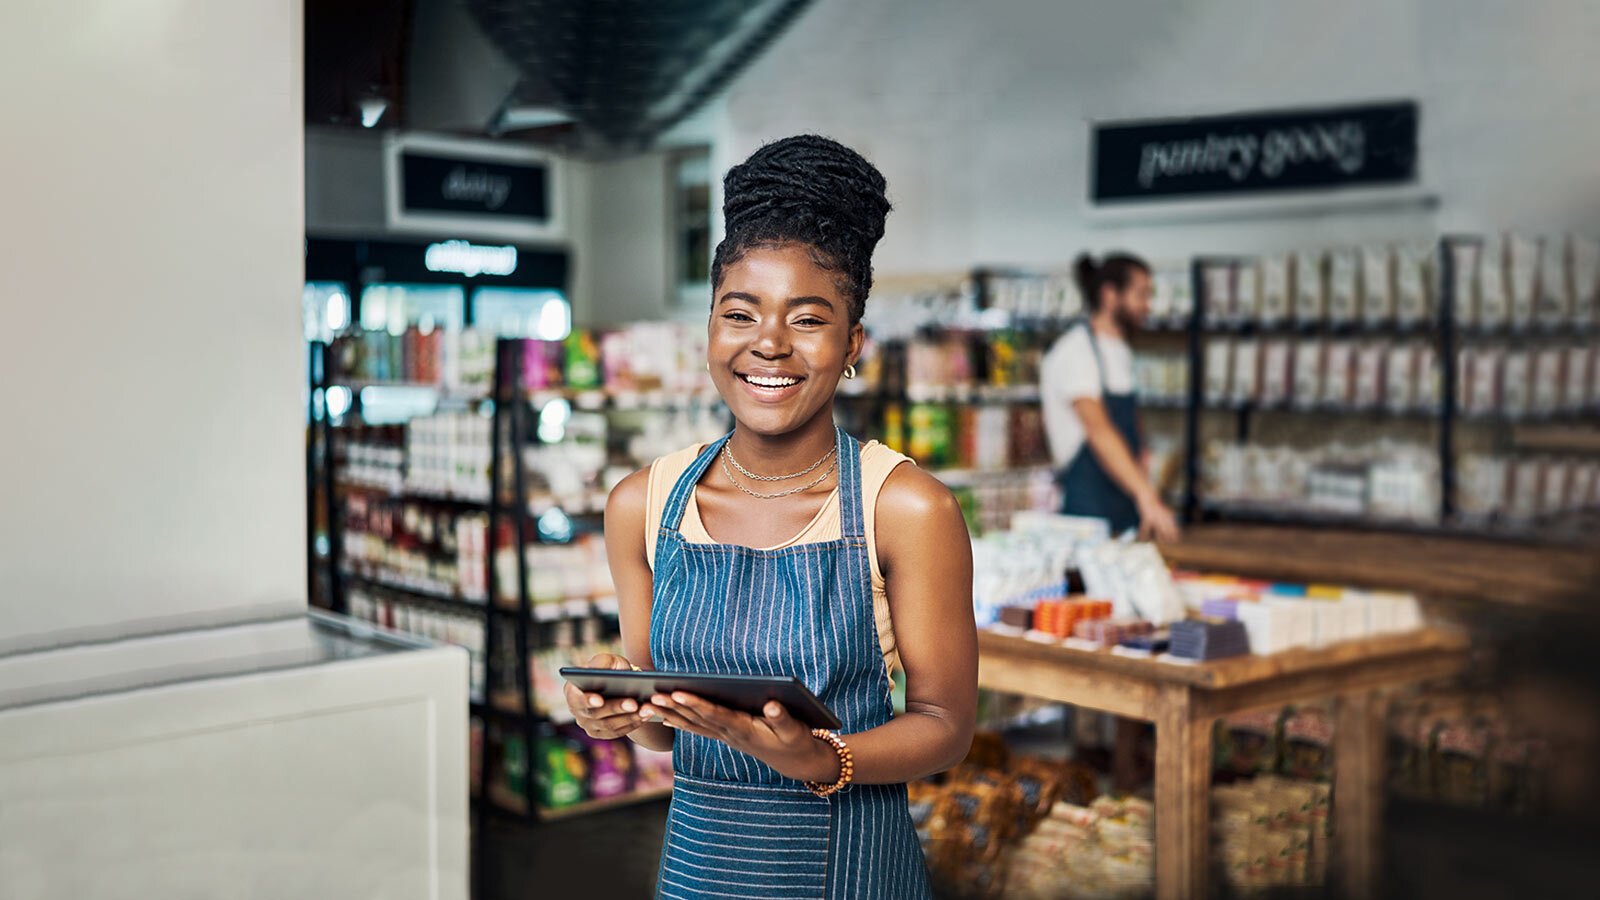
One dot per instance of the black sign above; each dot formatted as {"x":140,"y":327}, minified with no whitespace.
{"x":440,"y":184}
{"x":1254,"y":153}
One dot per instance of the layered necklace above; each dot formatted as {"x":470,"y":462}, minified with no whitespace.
{"x":727,"y":457}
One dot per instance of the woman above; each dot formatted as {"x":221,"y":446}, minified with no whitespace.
{"x":788,"y":548}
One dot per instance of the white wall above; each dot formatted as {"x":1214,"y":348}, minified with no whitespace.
{"x":979,"y":113}
{"x":622,"y":271}
{"x":150,"y":235}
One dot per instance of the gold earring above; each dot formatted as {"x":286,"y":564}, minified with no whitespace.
{"x":850,"y":370}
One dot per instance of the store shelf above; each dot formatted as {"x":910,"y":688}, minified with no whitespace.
{"x":415,"y":593}
{"x":1557,"y":439}
{"x":1443,"y":566}
{"x":1535,"y":331}
{"x":595,"y":806}
{"x":1322,"y":410}
{"x":1530,"y":419}
{"x":1427,"y":328}
{"x":1257,"y":512}
{"x":460,"y":503}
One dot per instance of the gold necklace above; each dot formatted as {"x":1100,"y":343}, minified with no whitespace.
{"x":795,"y":490}
{"x":728,"y":452}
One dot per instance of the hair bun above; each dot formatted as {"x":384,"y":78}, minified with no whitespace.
{"x":812,"y":178}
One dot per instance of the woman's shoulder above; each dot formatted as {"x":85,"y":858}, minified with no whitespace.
{"x":909,"y":493}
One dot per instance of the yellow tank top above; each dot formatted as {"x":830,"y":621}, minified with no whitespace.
{"x":877,"y":461}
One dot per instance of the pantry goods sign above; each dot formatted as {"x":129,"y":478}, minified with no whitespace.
{"x":1372,"y":145}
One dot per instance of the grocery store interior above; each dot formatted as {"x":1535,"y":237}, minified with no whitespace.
{"x":337,"y":321}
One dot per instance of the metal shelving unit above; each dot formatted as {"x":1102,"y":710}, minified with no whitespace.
{"x":1448,"y":417}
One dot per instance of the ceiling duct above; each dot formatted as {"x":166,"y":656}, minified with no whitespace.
{"x":624,"y":70}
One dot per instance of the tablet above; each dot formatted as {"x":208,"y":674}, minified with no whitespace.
{"x":746,"y":693}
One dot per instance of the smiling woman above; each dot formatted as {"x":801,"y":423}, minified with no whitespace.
{"x":787,"y":548}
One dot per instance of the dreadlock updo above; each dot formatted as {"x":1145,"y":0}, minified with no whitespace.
{"x":807,"y":190}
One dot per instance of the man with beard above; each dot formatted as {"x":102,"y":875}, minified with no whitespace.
{"x":1091,"y":413}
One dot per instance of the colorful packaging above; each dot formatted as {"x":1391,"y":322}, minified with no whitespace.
{"x":560,"y":773}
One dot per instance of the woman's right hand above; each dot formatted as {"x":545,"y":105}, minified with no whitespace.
{"x":596,"y":715}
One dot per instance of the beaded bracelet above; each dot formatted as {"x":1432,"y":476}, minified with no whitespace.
{"x":847,"y":765}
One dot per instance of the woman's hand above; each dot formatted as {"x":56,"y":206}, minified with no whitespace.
{"x":602,"y":718}
{"x":776,"y":738}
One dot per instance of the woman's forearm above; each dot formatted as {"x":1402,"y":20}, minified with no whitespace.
{"x":915,"y":745}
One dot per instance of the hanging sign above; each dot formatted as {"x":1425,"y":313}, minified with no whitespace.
{"x":1372,"y":145}
{"x":473,"y":188}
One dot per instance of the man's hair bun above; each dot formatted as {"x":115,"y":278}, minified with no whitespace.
{"x":807,"y":190}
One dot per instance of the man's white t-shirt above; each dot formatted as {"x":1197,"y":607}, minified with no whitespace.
{"x":1067,"y":373}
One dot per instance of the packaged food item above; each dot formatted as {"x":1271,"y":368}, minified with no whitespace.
{"x":1368,"y":382}
{"x":1516,"y":383}
{"x":1308,"y":743}
{"x":582,"y":359}
{"x":1482,"y":383}
{"x":1548,"y":382}
{"x":1464,"y":259}
{"x":1429,"y":381}
{"x":560,"y":772}
{"x":1400,"y":378}
{"x":1553,"y":304}
{"x":1276,"y":302}
{"x":1344,"y":272}
{"x":1276,"y":356}
{"x":1494,"y":300}
{"x":1522,"y":257}
{"x":1377,"y":285}
{"x":1308,"y":370}
{"x":1575,"y":388}
{"x":1246,"y":371}
{"x":1412,"y":300}
{"x":1524,"y":491}
{"x":1247,"y":293}
{"x":1337,"y":372}
{"x":1218,"y":368}
{"x":1309,"y":304}
{"x":1585,"y":262}
{"x":1217,"y":280}
{"x":1249,"y":742}
{"x":1553,"y":483}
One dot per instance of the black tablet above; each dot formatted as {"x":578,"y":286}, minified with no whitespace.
{"x":746,"y":693}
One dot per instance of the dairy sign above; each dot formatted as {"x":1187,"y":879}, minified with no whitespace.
{"x":436,"y":183}
{"x":1371,"y":145}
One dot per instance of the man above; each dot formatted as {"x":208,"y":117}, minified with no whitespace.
{"x":1091,"y":414}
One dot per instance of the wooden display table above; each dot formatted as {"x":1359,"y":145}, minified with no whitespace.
{"x":1440,"y":567}
{"x":1185,"y":700}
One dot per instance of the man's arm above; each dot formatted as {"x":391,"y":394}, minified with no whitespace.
{"x":1155,"y":520}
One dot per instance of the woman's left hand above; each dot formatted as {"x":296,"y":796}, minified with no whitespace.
{"x":776,"y":738}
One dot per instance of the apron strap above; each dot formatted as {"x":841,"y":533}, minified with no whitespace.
{"x":678,"y":500}
{"x":852,"y":521}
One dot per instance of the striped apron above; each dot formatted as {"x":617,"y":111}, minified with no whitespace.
{"x":736,"y":827}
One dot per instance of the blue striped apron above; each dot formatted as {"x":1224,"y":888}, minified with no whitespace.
{"x":736,"y":827}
